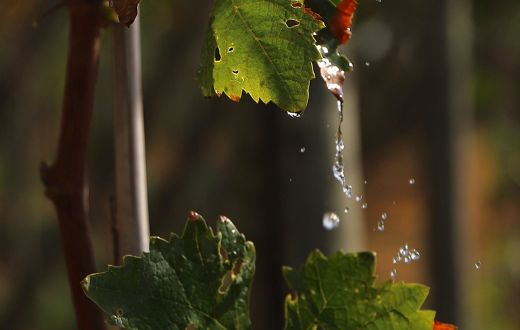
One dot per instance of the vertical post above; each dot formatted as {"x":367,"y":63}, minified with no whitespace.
{"x":131,"y":208}
{"x":449,"y":112}
{"x":440,"y":153}
{"x":459,"y":38}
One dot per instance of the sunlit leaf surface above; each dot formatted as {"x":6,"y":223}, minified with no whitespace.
{"x":262,"y":47}
{"x":338,"y":292}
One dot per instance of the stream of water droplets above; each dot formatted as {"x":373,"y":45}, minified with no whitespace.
{"x":334,"y":78}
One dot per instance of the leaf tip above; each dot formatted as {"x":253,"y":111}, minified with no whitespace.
{"x":234,"y":98}
{"x":85,"y":284}
{"x":194,"y":216}
{"x":223,"y":219}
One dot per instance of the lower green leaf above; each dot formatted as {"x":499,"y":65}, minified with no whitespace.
{"x":338,"y":292}
{"x":200,"y":280}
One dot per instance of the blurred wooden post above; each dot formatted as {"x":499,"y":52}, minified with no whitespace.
{"x":449,"y":106}
{"x":131,"y":207}
{"x":460,"y":106}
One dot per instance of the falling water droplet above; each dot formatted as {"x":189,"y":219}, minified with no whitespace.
{"x":384,"y":216}
{"x":340,"y":146}
{"x":330,"y":220}
{"x":302,"y":150}
{"x":348,"y":191}
{"x":381,"y":225}
{"x":290,"y":179}
{"x":366,"y":181}
{"x":393,"y":274}
{"x":403,"y":251}
{"x":478,"y":264}
{"x":415,"y":255}
{"x":367,"y":63}
{"x":359,"y":198}
{"x":337,"y":170}
{"x":364,"y":205}
{"x":346,"y":210}
{"x":411,"y":181}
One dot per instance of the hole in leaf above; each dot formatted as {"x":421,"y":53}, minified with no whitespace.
{"x":217,"y":54}
{"x":237,"y":267}
{"x":227,"y":279}
{"x":230,"y":49}
{"x":224,"y":254}
{"x":292,"y":22}
{"x":230,"y":276}
{"x":296,"y":4}
{"x":235,"y":71}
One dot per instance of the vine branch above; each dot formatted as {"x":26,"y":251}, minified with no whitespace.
{"x":65,"y":178}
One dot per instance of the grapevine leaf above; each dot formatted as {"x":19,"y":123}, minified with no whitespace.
{"x":200,"y":280}
{"x":338,"y":292}
{"x":126,"y":10}
{"x":262,"y":47}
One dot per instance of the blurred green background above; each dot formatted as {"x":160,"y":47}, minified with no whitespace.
{"x":435,"y":97}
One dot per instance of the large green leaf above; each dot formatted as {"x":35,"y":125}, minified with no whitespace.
{"x":200,"y":280}
{"x":262,"y":47}
{"x":338,"y":292}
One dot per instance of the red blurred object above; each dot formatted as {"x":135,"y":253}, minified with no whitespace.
{"x":443,"y":326}
{"x":342,"y":21}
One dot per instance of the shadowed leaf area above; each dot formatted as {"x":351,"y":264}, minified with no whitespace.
{"x":338,"y":292}
{"x":200,"y":280}
{"x":126,"y":10}
{"x":264,"y":48}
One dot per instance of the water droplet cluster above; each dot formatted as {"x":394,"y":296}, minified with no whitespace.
{"x":406,"y":255}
